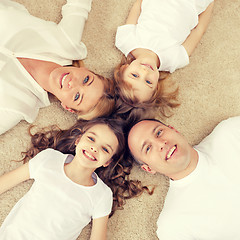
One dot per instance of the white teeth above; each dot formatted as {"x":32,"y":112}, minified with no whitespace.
{"x":171,"y":152}
{"x":88,"y":155}
{"x":64,"y":77}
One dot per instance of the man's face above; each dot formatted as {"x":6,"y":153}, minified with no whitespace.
{"x":161,"y":148}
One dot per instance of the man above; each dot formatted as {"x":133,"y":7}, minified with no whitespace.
{"x":203,"y":201}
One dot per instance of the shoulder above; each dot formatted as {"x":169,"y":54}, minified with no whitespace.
{"x":224,"y":137}
{"x":103,"y":188}
{"x":228,"y":127}
{"x":45,"y":155}
{"x":230,"y":123}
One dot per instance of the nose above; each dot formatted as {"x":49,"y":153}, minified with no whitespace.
{"x":71,"y":84}
{"x":93,"y":149}
{"x":161,"y":144}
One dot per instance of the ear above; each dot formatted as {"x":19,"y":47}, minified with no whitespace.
{"x":173,"y":128}
{"x":146,"y":168}
{"x":67,"y":108}
{"x":107,"y":163}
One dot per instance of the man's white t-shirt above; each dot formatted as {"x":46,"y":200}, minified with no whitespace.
{"x":205,"y":204}
{"x":55,"y":207}
{"x":162,"y":27}
{"x":26,"y":36}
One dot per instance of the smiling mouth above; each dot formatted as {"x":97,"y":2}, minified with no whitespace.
{"x":171,"y":152}
{"x":63,"y":79}
{"x":89,"y":156}
{"x":147,"y":65}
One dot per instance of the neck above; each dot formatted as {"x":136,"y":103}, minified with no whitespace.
{"x":146,"y":53}
{"x":39,"y":70}
{"x":189,"y":169}
{"x":79,"y":174}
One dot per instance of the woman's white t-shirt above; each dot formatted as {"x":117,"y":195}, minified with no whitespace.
{"x":26,"y":36}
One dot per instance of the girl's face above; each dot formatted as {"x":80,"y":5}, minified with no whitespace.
{"x":76,"y":88}
{"x":96,"y":146}
{"x":142,"y":74}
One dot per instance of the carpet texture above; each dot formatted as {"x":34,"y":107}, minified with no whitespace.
{"x":209,"y":92}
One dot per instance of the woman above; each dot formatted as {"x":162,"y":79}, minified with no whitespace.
{"x":33,"y":56}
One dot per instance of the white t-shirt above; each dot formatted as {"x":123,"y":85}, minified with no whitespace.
{"x":205,"y":204}
{"x":162,"y":27}
{"x":26,"y":36}
{"x":55,"y":207}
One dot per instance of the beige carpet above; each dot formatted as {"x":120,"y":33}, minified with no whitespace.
{"x":209,"y":92}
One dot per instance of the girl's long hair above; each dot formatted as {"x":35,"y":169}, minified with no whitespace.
{"x":116,"y":175}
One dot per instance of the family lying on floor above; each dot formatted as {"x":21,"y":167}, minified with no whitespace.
{"x":81,"y":173}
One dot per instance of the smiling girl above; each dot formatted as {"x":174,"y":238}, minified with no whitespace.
{"x":35,"y":59}
{"x":70,"y":190}
{"x":158,"y":37}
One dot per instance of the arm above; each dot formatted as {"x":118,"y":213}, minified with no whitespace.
{"x":99,"y":228}
{"x":134,"y":13}
{"x":14,"y":177}
{"x":196,"y":34}
{"x":74,"y":16}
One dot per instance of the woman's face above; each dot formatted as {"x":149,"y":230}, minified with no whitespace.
{"x":76,"y":88}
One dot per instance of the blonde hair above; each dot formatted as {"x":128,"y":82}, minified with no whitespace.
{"x":161,"y":98}
{"x":106,"y":103}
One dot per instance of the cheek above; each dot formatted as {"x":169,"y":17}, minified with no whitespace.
{"x":96,"y":91}
{"x":156,"y":76}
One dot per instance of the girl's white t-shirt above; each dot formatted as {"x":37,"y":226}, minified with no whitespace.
{"x":162,"y":27}
{"x":55,"y":207}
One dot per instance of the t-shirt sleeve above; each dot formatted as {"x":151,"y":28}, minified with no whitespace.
{"x":125,"y":38}
{"x":8,"y":120}
{"x":37,"y":162}
{"x":104,"y":206}
{"x":74,"y":15}
{"x":173,"y":58}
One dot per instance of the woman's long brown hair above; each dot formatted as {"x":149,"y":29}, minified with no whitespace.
{"x":116,"y":175}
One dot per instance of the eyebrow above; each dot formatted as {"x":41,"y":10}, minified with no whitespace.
{"x":103,"y":144}
{"x":91,"y":81}
{"x":148,"y":84}
{"x":146,"y":142}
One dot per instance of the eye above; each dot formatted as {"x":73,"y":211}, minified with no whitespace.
{"x":91,"y":139}
{"x":86,"y":79}
{"x":158,"y":133}
{"x":148,"y":82}
{"x":77,"y":96}
{"x":148,"y":148}
{"x":105,"y":150}
{"x":134,"y":75}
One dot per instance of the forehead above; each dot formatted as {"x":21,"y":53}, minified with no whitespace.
{"x":139,"y":88}
{"x":91,"y":95}
{"x":141,"y":132}
{"x":104,"y":133}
